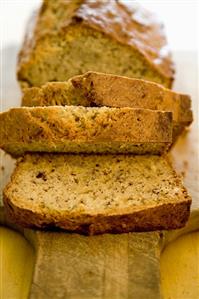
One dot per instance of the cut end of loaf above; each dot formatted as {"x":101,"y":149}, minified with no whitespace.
{"x":96,"y":194}
{"x":99,"y":37}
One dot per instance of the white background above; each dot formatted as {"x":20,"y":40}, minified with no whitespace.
{"x":179,"y":16}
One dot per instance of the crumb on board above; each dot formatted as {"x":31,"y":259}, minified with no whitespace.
{"x":183,"y":174}
{"x":185,"y":164}
{"x":185,"y":168}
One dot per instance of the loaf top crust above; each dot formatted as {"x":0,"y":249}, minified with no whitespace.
{"x":130,"y":25}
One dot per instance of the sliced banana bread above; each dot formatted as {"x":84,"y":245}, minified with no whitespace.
{"x":69,"y":38}
{"x":96,"y":193}
{"x":77,"y":129}
{"x":98,"y":89}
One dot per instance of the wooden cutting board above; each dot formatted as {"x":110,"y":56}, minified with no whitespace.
{"x":109,"y":266}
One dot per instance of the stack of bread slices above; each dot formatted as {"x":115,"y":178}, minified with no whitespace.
{"x":92,"y":150}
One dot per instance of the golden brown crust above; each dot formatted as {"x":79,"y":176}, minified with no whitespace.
{"x":131,"y":26}
{"x":80,"y":129}
{"x":53,"y":94}
{"x":99,"y":89}
{"x":117,"y":91}
{"x":162,"y":217}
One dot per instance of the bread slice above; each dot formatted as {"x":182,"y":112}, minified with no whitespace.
{"x":85,"y":130}
{"x":98,"y":89}
{"x":96,"y":193}
{"x":68,"y":38}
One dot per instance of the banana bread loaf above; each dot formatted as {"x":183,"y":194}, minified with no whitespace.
{"x":77,"y":129}
{"x":69,"y":38}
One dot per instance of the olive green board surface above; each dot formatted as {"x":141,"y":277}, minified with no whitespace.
{"x":108,"y":266}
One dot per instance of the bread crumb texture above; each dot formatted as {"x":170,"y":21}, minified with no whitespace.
{"x":71,"y":190}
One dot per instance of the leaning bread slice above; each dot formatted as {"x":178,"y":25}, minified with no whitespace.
{"x":100,"y":89}
{"x":96,"y":193}
{"x":75,"y":129}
